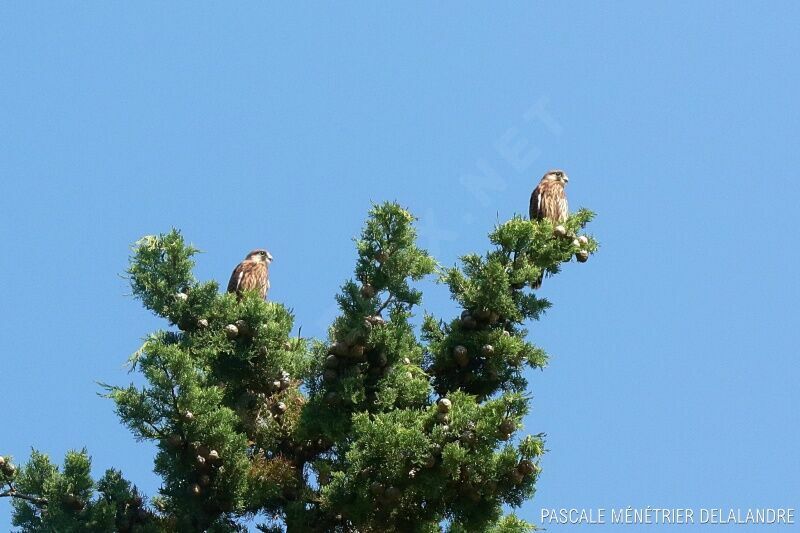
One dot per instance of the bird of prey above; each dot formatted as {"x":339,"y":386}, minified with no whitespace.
{"x":549,"y":201}
{"x":252,"y":274}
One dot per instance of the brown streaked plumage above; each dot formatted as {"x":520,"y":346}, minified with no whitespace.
{"x":549,"y":201}
{"x":252,"y":274}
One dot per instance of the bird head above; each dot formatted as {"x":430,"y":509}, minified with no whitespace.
{"x":260,"y":256}
{"x":556,"y":175}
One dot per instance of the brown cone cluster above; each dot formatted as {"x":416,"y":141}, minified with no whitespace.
{"x":354,"y":354}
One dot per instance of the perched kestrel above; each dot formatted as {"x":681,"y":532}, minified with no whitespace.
{"x":252,"y":274}
{"x":549,"y":201}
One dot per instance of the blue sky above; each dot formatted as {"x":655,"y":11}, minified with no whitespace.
{"x":673,"y":381}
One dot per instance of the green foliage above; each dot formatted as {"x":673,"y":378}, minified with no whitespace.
{"x":74,"y":503}
{"x":484,"y":350}
{"x":388,"y":257}
{"x":375,"y":428}
{"x":160,"y":268}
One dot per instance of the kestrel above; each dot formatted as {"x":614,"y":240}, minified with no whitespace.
{"x":549,"y":201}
{"x":252,"y":274}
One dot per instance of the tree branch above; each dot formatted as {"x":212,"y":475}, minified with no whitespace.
{"x":174,"y":396}
{"x":12,"y":493}
{"x":389,"y":300}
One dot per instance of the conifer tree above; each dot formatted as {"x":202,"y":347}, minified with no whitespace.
{"x":375,"y":428}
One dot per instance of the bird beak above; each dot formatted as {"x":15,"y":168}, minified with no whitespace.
{"x":566,"y":179}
